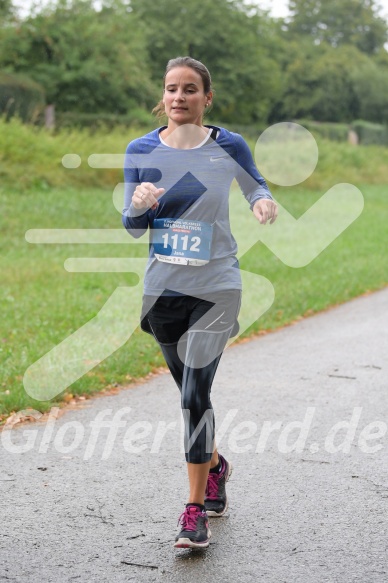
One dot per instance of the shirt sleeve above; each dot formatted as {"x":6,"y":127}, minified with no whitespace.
{"x":134,"y":220}
{"x":251,"y":182}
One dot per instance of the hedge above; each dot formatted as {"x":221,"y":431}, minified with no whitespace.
{"x":371,"y":133}
{"x":337,"y":132}
{"x":95,"y":121}
{"x":21,"y":96}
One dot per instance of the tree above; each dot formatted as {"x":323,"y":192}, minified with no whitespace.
{"x":7,"y":10}
{"x":229,"y":41}
{"x":371,"y":87}
{"x":320,"y":86}
{"x":354,"y":22}
{"x":87,"y":61}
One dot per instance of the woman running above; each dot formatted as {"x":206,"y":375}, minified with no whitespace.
{"x":177,"y":182}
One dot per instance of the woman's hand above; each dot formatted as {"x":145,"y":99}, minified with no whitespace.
{"x":145,"y":196}
{"x":265,"y":210}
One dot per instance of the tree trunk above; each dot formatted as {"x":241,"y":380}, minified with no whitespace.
{"x":353,"y":138}
{"x":49,"y":117}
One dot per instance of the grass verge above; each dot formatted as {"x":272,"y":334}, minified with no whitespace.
{"x":31,"y":157}
{"x":42,"y":303}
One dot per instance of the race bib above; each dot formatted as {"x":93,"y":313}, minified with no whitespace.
{"x":181,"y":241}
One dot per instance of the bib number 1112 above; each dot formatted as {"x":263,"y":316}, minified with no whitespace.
{"x":195,"y":242}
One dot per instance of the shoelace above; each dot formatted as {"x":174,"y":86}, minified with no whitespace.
{"x":188,"y":519}
{"x":212,"y":486}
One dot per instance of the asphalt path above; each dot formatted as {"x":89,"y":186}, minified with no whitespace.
{"x":302,"y":413}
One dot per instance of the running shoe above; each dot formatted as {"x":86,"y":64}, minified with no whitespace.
{"x":195,"y":532}
{"x":216,"y":502}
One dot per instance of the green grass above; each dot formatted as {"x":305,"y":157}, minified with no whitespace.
{"x":42,"y":303}
{"x":355,"y":263}
{"x":31,"y":157}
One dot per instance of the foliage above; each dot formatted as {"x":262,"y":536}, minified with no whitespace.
{"x":7,"y":9}
{"x":348,"y":22}
{"x":137,"y":117}
{"x":326,"y":62}
{"x":335,"y":85}
{"x":87,"y":61}
{"x":20,"y":96}
{"x":337,"y":132}
{"x":32,"y":157}
{"x":371,"y":133}
{"x":370,"y":84}
{"x":231,"y":44}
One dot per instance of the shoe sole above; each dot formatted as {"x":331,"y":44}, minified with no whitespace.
{"x":186,"y":543}
{"x":213,"y":513}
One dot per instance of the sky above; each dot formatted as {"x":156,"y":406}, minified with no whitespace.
{"x":278,"y":8}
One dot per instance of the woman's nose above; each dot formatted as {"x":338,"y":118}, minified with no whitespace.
{"x":179,"y":96}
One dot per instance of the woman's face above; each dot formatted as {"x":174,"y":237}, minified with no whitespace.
{"x":184,"y":98}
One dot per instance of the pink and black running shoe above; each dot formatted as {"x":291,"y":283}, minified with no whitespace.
{"x":216,"y":501}
{"x":195,"y":532}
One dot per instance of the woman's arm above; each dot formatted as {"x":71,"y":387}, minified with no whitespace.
{"x":135,"y":220}
{"x":253,"y":185}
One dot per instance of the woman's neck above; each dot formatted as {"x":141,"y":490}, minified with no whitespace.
{"x":184,"y":137}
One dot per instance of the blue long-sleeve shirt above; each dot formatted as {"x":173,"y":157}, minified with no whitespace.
{"x":197,"y":183}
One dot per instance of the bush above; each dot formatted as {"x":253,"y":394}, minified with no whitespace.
{"x":371,"y":133}
{"x":105,"y":121}
{"x":31,"y":156}
{"x":249,"y":132}
{"x":21,"y":96}
{"x":337,"y":132}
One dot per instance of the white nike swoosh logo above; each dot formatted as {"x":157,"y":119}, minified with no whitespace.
{"x":216,"y":158}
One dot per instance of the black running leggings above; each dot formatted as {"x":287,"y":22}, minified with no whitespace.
{"x":192,"y":333}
